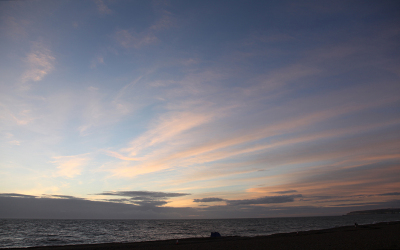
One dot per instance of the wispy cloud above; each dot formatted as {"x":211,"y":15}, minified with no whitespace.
{"x":97,"y":61}
{"x":143,"y":194}
{"x":14,"y":142}
{"x":20,"y":115}
{"x":102,"y":7}
{"x":40,"y":62}
{"x":175,"y":129}
{"x":10,"y":138}
{"x":15,"y":28}
{"x":57,"y":196}
{"x":121,"y":157}
{"x":166,"y":128}
{"x":98,"y":111}
{"x":164,"y":22}
{"x":70,"y":166}
{"x":131,"y":39}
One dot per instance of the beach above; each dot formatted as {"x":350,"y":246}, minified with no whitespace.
{"x":385,"y":235}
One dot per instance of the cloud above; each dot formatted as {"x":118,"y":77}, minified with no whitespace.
{"x":27,"y":206}
{"x":97,"y":111}
{"x":390,"y":194}
{"x":21,"y":117}
{"x":15,"y":27}
{"x":119,"y":156}
{"x":61,"y":197}
{"x":15,"y":195}
{"x":187,"y":138}
{"x":167,"y":127}
{"x":258,"y":201}
{"x":285,"y":192}
{"x":148,"y":194}
{"x":40,"y":62}
{"x":102,"y":7}
{"x":128,"y":38}
{"x":98,"y":60}
{"x":8,"y":135}
{"x":165,"y":22}
{"x":70,"y":166}
{"x":131,"y":39}
{"x":143,"y":198}
{"x":14,"y":142}
{"x":211,"y":199}
{"x":358,"y":183}
{"x":151,"y":203}
{"x":264,"y":200}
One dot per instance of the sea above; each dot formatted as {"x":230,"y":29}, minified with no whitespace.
{"x":47,"y":232}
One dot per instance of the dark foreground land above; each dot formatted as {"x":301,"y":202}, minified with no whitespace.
{"x":376,"y":236}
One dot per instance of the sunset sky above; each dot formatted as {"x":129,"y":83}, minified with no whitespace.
{"x":198,"y":109}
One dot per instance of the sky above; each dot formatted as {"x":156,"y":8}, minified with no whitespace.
{"x":198,"y":109}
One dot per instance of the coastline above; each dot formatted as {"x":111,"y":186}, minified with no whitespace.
{"x":384,"y":235}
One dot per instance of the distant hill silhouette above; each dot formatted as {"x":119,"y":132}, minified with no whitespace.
{"x":377,"y":211}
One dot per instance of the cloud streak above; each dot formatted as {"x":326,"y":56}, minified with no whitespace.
{"x":102,"y":7}
{"x":70,"y":166}
{"x":131,"y":39}
{"x":265,"y":200}
{"x":211,"y":199}
{"x":148,"y":194}
{"x":40,"y":62}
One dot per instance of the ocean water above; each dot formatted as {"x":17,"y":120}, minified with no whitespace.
{"x":32,"y":232}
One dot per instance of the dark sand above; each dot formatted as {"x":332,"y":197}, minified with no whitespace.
{"x":376,"y":236}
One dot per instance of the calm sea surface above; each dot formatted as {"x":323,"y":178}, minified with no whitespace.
{"x":29,"y":232}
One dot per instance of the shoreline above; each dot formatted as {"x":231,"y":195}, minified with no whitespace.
{"x":384,"y":235}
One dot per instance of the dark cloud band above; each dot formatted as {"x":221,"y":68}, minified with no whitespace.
{"x":147,"y":194}
{"x":265,"y":200}
{"x":212,"y":199}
